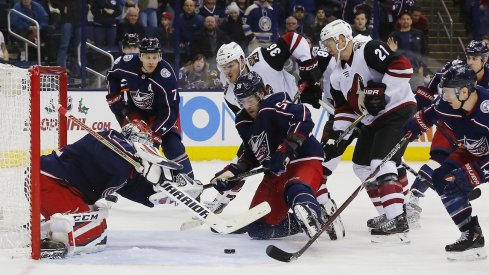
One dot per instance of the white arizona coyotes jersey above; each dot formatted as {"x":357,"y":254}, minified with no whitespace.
{"x":372,"y":61}
{"x":269,"y":64}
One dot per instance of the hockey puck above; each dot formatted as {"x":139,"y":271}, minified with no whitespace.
{"x":229,"y":251}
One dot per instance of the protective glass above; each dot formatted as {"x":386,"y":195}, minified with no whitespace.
{"x":229,"y":67}
{"x":450,"y":94}
{"x":248,"y":102}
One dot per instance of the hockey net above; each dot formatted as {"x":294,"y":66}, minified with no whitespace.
{"x":29,"y":126}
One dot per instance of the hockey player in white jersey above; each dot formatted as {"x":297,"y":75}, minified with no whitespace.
{"x":376,"y":85}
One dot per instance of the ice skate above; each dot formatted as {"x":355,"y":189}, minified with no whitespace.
{"x":470,"y":245}
{"x":413,"y":210}
{"x":392,"y":231}
{"x":53,"y":249}
{"x":307,"y":219}
{"x":336,"y":228}
{"x":376,"y":222}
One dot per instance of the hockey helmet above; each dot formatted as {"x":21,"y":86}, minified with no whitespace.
{"x":335,"y":29}
{"x":149,"y":45}
{"x":229,"y":52}
{"x":477,"y":48}
{"x":137,"y":130}
{"x":130,"y":40}
{"x":247,"y":85}
{"x":459,"y":76}
{"x":452,"y":63}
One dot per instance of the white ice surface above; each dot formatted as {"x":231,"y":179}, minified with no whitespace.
{"x":148,"y":241}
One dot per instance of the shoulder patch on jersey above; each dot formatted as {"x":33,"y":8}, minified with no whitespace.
{"x":117,"y":60}
{"x":165,"y":73}
{"x":485,"y":106}
{"x":128,"y":57}
{"x":253,"y":59}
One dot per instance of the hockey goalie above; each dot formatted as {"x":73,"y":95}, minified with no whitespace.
{"x":79,"y":183}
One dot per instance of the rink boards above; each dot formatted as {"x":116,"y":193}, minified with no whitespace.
{"x":207,"y":123}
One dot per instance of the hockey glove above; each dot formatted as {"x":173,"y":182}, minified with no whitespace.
{"x":309,"y":83}
{"x":221,"y":180}
{"x":466,"y":178}
{"x":310,"y":94}
{"x":416,"y":126}
{"x":285,"y":152}
{"x":375,"y":97}
{"x":424,"y":98}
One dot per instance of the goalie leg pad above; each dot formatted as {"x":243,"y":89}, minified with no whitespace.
{"x":80,"y":232}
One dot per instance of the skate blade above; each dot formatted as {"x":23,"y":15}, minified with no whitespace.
{"x":400,"y":238}
{"x":474,"y":254}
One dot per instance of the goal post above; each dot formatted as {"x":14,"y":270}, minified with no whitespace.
{"x":29,"y":127}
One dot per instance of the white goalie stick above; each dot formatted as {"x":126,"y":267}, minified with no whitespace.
{"x":200,"y":211}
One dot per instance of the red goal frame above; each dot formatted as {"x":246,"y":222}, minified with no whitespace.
{"x":36,"y":73}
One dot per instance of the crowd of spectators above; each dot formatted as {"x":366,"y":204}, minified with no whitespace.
{"x":204,"y":25}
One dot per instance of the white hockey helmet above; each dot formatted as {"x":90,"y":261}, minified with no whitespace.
{"x":335,"y":29}
{"x":229,"y":52}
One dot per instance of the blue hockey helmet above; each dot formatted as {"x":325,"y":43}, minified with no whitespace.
{"x":459,"y":76}
{"x":149,"y":45}
{"x":477,"y":48}
{"x":248,"y":84}
{"x":130,"y":40}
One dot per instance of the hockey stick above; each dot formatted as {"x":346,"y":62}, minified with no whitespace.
{"x":199,"y":210}
{"x":196,"y":223}
{"x":281,"y":255}
{"x":241,"y":176}
{"x":350,"y":128}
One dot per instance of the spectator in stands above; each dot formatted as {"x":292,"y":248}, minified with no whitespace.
{"x":208,"y":40}
{"x":349,"y":10}
{"x":485,"y":38}
{"x":126,"y":4}
{"x":291,"y":24}
{"x":304,"y":18}
{"x":70,"y":29}
{"x":165,"y":33}
{"x":209,"y":8}
{"x":360,"y":26}
{"x":420,"y":21}
{"x":233,"y":25}
{"x":190,"y":22}
{"x":147,"y":15}
{"x":243,"y":5}
{"x":320,"y":21}
{"x":332,"y":7}
{"x":4,"y":56}
{"x":409,"y":41}
{"x":257,"y":25}
{"x":130,"y":24}
{"x":105,"y":13}
{"x":35,"y":11}
{"x":199,"y":75}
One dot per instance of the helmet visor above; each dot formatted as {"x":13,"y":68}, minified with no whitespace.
{"x":248,"y":101}
{"x":449,"y":94}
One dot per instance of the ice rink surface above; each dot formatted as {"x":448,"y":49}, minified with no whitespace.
{"x":148,"y":241}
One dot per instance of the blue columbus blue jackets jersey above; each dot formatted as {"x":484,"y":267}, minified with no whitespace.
{"x":96,"y":171}
{"x":152,"y":94}
{"x":470,"y":128}
{"x":277,"y":118}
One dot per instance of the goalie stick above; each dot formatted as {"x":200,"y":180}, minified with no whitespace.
{"x":284,"y":256}
{"x":199,"y":210}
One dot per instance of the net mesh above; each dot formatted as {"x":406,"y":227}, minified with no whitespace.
{"x":15,"y":147}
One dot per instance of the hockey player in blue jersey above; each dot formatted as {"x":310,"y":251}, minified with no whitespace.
{"x":276,"y":134}
{"x":477,"y":55}
{"x":464,"y":108}
{"x":150,"y":85}
{"x":76,"y":181}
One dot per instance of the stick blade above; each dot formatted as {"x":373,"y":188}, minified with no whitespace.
{"x":474,"y":194}
{"x":280,"y":255}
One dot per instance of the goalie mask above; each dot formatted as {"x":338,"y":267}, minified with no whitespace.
{"x":137,"y":131}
